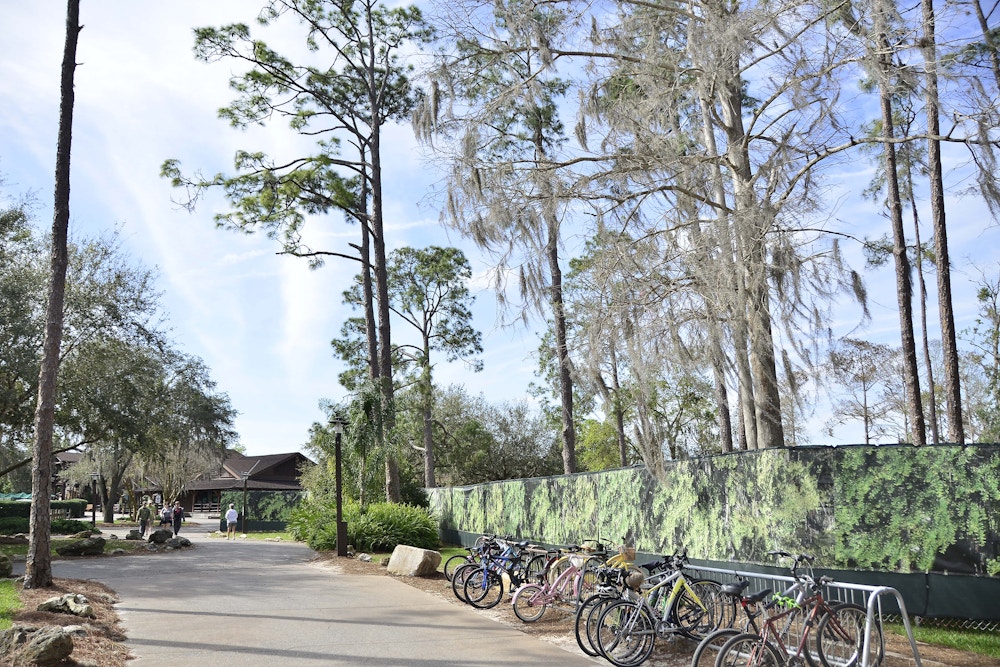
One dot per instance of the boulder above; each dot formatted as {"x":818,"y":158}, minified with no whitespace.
{"x":49,"y":646}
{"x":160,"y":535}
{"x":177,"y":542}
{"x":134,"y":534}
{"x":15,"y":636}
{"x":91,"y":546}
{"x":83,"y":534}
{"x":413,"y":562}
{"x":70,"y":603}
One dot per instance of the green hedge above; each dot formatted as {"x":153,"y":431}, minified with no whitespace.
{"x":9,"y":508}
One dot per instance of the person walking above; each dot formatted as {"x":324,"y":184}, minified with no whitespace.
{"x":231,"y":516}
{"x":166,"y":515}
{"x":178,"y":517}
{"x":144,"y":515}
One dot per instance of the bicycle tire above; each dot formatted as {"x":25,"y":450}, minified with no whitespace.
{"x":748,"y":650}
{"x":453,"y":563}
{"x":708,"y":648}
{"x":536,"y":567}
{"x":458,"y":580}
{"x":835,"y":649}
{"x":525,"y":608}
{"x":580,"y":626}
{"x":697,"y":618}
{"x":484,"y":589}
{"x":626,"y":633}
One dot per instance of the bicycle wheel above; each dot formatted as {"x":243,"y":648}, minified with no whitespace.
{"x":840,"y":637}
{"x":458,"y":580}
{"x":625,"y":633}
{"x":590,"y":609}
{"x":454,"y":563}
{"x":709,"y":647}
{"x":586,"y":584}
{"x":527,"y":603}
{"x":700,"y":614}
{"x":536,"y":567}
{"x":483,"y":589}
{"x":748,"y":650}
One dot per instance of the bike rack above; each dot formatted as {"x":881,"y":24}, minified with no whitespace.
{"x":872,"y":593}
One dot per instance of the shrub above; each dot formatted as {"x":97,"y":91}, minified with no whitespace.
{"x":69,"y":526}
{"x":379,"y":528}
{"x":11,"y":525}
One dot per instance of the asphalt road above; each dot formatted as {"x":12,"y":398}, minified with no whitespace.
{"x":246,"y":602}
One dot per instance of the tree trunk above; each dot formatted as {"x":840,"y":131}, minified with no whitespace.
{"x":392,"y":490}
{"x":427,"y":395}
{"x":949,"y":345}
{"x":38,"y":562}
{"x":565,"y":378}
{"x":904,"y":290}
{"x":619,"y":410}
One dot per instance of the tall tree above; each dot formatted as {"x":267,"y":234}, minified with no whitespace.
{"x":863,"y":368}
{"x":38,"y":563}
{"x":363,"y":87}
{"x":500,"y":138}
{"x":428,"y":289}
{"x":952,"y":381}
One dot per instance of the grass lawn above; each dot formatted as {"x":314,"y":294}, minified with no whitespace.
{"x":9,"y":602}
{"x":975,"y":641}
{"x":58,"y":541}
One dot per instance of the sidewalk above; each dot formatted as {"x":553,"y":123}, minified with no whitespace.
{"x":225,"y":603}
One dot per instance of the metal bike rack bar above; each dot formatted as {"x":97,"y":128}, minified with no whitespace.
{"x":871,"y":596}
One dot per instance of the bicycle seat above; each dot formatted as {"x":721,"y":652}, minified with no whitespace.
{"x":736,"y":588}
{"x":757,"y":597}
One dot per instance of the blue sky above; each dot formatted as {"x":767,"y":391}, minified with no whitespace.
{"x":263,"y":322}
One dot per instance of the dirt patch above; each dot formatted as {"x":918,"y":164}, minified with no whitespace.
{"x":556,"y":626}
{"x":102,"y":644}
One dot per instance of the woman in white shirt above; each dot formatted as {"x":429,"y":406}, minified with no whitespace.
{"x":231,"y":516}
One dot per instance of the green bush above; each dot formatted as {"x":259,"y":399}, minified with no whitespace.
{"x":11,"y":525}
{"x":69,"y":526}
{"x":379,"y":528}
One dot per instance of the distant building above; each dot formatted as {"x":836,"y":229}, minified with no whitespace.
{"x":272,"y":472}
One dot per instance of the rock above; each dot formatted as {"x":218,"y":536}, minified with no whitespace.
{"x":48,"y":646}
{"x":70,"y":603}
{"x":76,"y":630}
{"x":83,"y":534}
{"x":413,"y":562}
{"x":365,"y":558}
{"x":6,"y":566}
{"x":134,"y":534}
{"x":91,"y":546}
{"x":160,"y":535}
{"x":20,"y":538}
{"x":118,"y":552}
{"x":177,"y":542}
{"x":15,"y":636}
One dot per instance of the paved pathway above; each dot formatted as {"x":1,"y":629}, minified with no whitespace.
{"x":227,"y":603}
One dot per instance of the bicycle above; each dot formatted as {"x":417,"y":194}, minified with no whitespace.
{"x":627,"y":629}
{"x":483,"y":584}
{"x":610,"y":586}
{"x":839,"y":630}
{"x":573,"y":581}
{"x":709,"y":647}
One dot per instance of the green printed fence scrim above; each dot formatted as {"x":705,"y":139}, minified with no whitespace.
{"x":896,"y":508}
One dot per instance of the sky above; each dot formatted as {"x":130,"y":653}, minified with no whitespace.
{"x":263,"y":322}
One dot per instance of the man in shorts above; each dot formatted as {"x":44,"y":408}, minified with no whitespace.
{"x":231,"y":516}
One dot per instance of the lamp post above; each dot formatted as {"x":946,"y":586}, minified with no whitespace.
{"x":337,"y":423}
{"x":94,"y":476}
{"x":246,"y":476}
